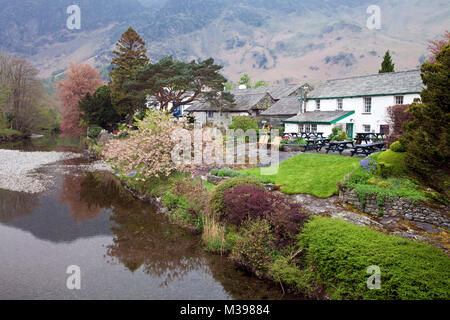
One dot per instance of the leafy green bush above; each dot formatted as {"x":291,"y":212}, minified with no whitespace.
{"x":226,"y":172}
{"x":338,"y":134}
{"x":216,"y":200}
{"x":214,"y":172}
{"x":397,"y":147}
{"x":390,"y":163}
{"x":94,"y":132}
{"x":243,"y":122}
{"x":340,"y":254}
{"x":253,"y":247}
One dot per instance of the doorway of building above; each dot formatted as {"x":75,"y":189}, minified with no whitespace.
{"x":349,"y":130}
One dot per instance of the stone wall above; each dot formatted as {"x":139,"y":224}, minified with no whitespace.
{"x":405,"y":208}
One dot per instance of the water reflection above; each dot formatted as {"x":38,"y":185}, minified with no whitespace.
{"x":126,"y":249}
{"x":14,"y":205}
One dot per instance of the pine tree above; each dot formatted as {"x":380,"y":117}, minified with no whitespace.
{"x":130,"y":54}
{"x":387,"y":65}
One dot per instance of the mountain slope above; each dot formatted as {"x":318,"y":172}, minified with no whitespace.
{"x":277,"y":40}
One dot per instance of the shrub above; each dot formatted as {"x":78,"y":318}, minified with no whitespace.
{"x":253,"y":247}
{"x":214,"y":172}
{"x":340,"y":254}
{"x":390,"y":163}
{"x":397,"y":147}
{"x":243,"y":122}
{"x":338,"y":134}
{"x":216,"y":200}
{"x":148,"y":150}
{"x":226,"y":172}
{"x":94,"y":132}
{"x":251,"y":202}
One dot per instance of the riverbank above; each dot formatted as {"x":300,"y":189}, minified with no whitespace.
{"x":18,"y":169}
{"x":293,"y":263}
{"x":9,"y":135}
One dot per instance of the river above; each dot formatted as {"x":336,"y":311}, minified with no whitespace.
{"x":124,"y":249}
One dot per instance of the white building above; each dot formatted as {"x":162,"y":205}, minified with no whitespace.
{"x":357,"y":104}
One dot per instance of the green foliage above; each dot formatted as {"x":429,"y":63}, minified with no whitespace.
{"x":387,"y":65}
{"x":397,"y":146}
{"x":97,"y":109}
{"x":129,"y":56}
{"x":286,"y":271}
{"x":202,"y":79}
{"x":216,"y":200}
{"x":427,"y":138}
{"x":225,"y":172}
{"x":260,"y":83}
{"x":338,"y":134}
{"x":244,"y":123}
{"x":94,"y":132}
{"x":253,"y":248}
{"x":390,"y":163}
{"x":10,"y":134}
{"x":245,"y":80}
{"x":340,"y":253}
{"x":315,"y":174}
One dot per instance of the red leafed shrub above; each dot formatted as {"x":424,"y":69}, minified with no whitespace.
{"x":398,"y":116}
{"x":251,"y":202}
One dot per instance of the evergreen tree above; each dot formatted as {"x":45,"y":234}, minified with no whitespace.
{"x":168,"y":81}
{"x":387,"y":65}
{"x":427,"y":137}
{"x":97,"y":109}
{"x":130,"y":54}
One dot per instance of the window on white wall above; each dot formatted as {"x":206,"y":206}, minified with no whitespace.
{"x":367,"y":105}
{"x":398,"y":100}
{"x":314,"y":128}
{"x":210,"y":114}
{"x":366,"y":127}
{"x":317,"y":104}
{"x":340,"y":103}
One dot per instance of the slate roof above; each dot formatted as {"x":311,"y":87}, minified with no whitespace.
{"x":243,"y":102}
{"x":325,"y":117}
{"x":277,"y":92}
{"x":288,"y":106}
{"x":374,"y":84}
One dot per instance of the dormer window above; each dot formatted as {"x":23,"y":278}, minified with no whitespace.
{"x":317,"y":104}
{"x":340,"y":104}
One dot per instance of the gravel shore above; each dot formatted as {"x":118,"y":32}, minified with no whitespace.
{"x":17,"y":169}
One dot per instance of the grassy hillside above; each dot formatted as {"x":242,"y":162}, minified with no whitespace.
{"x":276,"y":40}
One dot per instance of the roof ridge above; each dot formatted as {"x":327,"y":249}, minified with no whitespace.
{"x":374,"y":75}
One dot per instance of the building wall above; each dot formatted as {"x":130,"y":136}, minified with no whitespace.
{"x":375,"y":119}
{"x":219,"y":119}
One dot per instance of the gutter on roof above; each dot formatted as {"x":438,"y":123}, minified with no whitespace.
{"x":364,"y":95}
{"x":321,"y":122}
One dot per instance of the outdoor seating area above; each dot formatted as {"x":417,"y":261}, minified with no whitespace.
{"x":364,"y":143}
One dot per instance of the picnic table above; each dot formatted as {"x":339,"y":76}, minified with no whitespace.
{"x":340,"y":146}
{"x":309,"y":135}
{"x":363,"y":137}
{"x":317,"y":144}
{"x":367,"y":149}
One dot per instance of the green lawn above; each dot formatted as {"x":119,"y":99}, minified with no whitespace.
{"x":315,"y":174}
